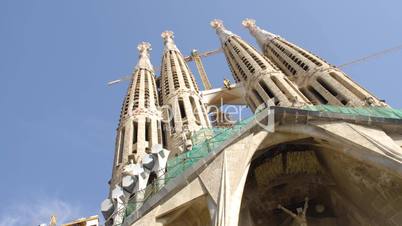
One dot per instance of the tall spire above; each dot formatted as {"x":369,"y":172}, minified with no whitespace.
{"x":140,"y":125}
{"x":168,"y":41}
{"x":318,"y":80}
{"x":264,"y":83}
{"x":262,"y":36}
{"x":187,"y":112}
{"x":144,"y":62}
{"x":222,"y":32}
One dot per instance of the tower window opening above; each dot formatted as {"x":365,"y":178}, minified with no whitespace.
{"x":317,"y":95}
{"x":148,"y":130}
{"x":332,"y":90}
{"x":135,"y":132}
{"x":307,"y":55}
{"x":182,"y":109}
{"x":174,"y":71}
{"x":121,"y":148}
{"x":348,"y":84}
{"x":306,"y":94}
{"x":171,"y":119}
{"x":146,"y":89}
{"x":327,"y":87}
{"x":164,"y":135}
{"x":282,"y":88}
{"x":184,"y":72}
{"x":267,"y":90}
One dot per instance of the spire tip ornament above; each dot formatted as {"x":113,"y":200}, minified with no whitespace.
{"x":167,"y":35}
{"x":144,"y":62}
{"x":261,"y":35}
{"x":168,"y":41}
{"x":222,"y":32}
{"x":144,"y":47}
{"x":216,"y":23}
{"x":248,"y":23}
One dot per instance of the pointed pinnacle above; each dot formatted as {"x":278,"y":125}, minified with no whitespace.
{"x":262,"y":36}
{"x":168,"y":40}
{"x":144,"y":62}
{"x":222,"y":32}
{"x":144,"y":47}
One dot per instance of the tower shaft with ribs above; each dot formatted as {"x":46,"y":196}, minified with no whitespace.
{"x":184,"y":110}
{"x":140,"y":120}
{"x":319,"y":81}
{"x":264,"y":82}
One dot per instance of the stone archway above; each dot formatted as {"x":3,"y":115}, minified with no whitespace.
{"x":285,"y":174}
{"x":343,"y":188}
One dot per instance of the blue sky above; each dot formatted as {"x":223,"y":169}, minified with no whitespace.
{"x":58,"y":117}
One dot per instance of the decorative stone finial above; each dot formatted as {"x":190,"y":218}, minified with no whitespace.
{"x":144,"y":62}
{"x":222,"y":32}
{"x":262,"y":36}
{"x":216,"y":23}
{"x":167,"y":35}
{"x":248,"y":23}
{"x":144,"y":47}
{"x":168,"y":40}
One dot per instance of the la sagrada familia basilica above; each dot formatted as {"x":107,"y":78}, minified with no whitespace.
{"x":319,"y":149}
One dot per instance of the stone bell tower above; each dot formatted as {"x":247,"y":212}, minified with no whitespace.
{"x":184,"y":110}
{"x":140,"y":120}
{"x":263,"y":81}
{"x":318,"y":80}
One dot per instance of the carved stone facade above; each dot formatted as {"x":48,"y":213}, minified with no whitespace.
{"x":287,"y":166}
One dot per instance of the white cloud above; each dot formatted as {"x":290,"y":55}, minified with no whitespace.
{"x":38,"y":211}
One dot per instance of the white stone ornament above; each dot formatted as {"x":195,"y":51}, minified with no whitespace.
{"x":141,"y":177}
{"x":162,"y":156}
{"x":262,"y":36}
{"x":118,"y":202}
{"x":107,"y":208}
{"x":148,"y":162}
{"x":222,"y":32}
{"x":168,"y":39}
{"x":144,"y":62}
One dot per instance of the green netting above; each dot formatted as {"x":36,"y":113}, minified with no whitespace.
{"x":204,"y":141}
{"x":382,"y":112}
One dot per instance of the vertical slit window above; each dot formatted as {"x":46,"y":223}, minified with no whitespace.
{"x":135,"y":132}
{"x":146,"y":89}
{"x":327,"y":87}
{"x":121,"y":148}
{"x":182,"y":109}
{"x":317,"y":95}
{"x":171,"y":119}
{"x":164,"y":135}
{"x":348,"y":83}
{"x":148,"y":130}
{"x":267,"y":90}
